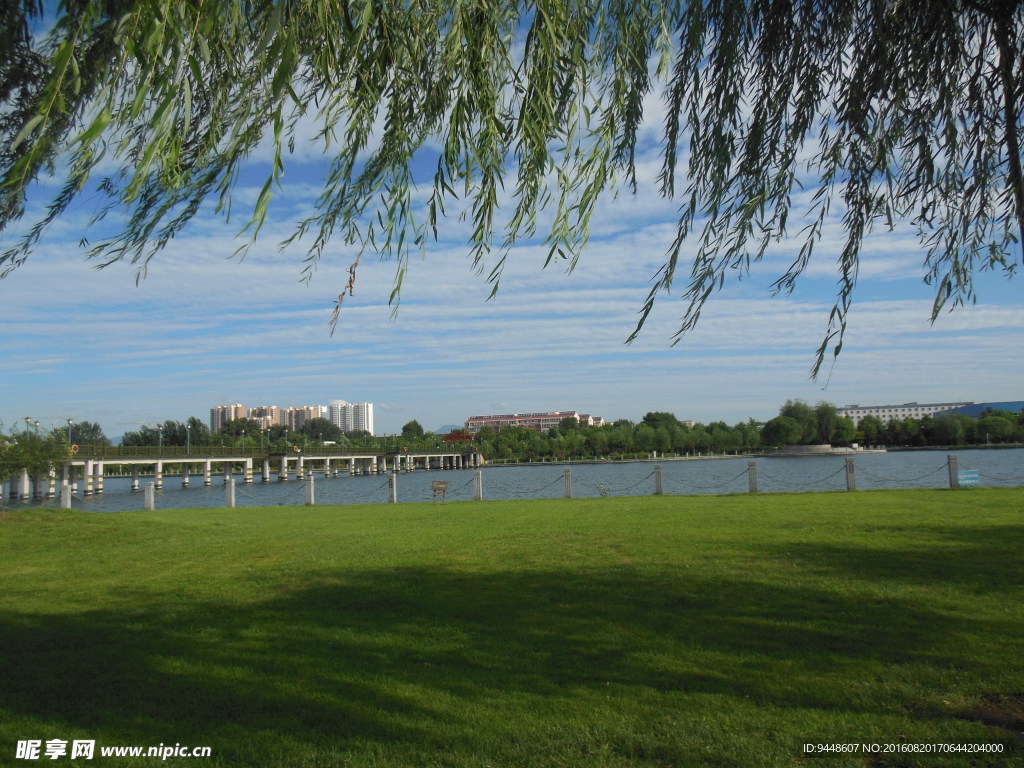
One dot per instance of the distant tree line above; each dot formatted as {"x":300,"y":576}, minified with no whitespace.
{"x":659,"y":432}
{"x":991,"y":427}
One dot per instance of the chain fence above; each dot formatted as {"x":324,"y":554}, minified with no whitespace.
{"x":668,"y":478}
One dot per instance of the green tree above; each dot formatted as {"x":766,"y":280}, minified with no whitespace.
{"x":320,"y":430}
{"x":412,"y":430}
{"x":82,"y":433}
{"x":645,"y":438}
{"x":843,"y":431}
{"x":657,"y":419}
{"x":995,"y":428}
{"x":199,"y":431}
{"x":873,"y":430}
{"x":804,"y":415}
{"x":902,"y":111}
{"x":948,"y":429}
{"x":34,"y":453}
{"x":144,"y":435}
{"x":239,"y":427}
{"x":781,"y":431}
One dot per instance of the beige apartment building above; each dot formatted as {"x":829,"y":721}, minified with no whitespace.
{"x":540,"y":422}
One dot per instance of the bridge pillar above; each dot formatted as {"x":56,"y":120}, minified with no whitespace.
{"x":99,"y":477}
{"x":207,"y":472}
{"x":227,"y":473}
{"x":248,"y":471}
{"x":300,"y":471}
{"x":87,"y":474}
{"x":159,"y":474}
{"x":282,"y":472}
{"x":265,"y":475}
{"x":352,"y":467}
{"x":135,"y":477}
{"x":184,"y":475}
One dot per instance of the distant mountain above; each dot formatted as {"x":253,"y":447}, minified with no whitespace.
{"x":449,"y":428}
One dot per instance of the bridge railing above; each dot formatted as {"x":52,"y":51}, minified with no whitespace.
{"x":200,"y":452}
{"x":114,"y":452}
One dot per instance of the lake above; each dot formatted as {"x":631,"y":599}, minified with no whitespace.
{"x":900,"y":469}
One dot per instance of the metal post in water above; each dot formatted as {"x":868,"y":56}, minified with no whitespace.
{"x":752,"y":476}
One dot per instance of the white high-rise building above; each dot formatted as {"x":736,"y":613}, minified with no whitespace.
{"x":352,"y":417}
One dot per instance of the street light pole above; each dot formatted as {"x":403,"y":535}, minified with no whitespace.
{"x":188,"y":439}
{"x":70,"y":424}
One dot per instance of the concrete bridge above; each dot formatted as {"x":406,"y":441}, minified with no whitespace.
{"x":89,"y":464}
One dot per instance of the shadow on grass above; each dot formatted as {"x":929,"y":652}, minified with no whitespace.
{"x":980,"y":559}
{"x":349,"y":660}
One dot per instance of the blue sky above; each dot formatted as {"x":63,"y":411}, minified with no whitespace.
{"x":202,"y":329}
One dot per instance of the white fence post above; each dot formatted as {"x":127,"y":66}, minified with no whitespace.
{"x":149,"y":498}
{"x":229,"y":492}
{"x":478,"y":485}
{"x":393,"y":488}
{"x":310,"y":496}
{"x":568,"y":482}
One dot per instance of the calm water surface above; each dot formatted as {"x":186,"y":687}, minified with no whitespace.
{"x":905,"y":469}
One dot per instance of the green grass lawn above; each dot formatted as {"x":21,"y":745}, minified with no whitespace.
{"x":652,"y":631}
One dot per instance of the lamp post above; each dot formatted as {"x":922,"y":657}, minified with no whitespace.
{"x":160,"y":439}
{"x":70,"y":424}
{"x":188,"y":439}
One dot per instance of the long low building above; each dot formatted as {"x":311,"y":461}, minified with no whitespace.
{"x":887,"y":413}
{"x":537,"y":421}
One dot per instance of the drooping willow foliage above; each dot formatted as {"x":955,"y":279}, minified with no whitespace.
{"x":886,"y":110}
